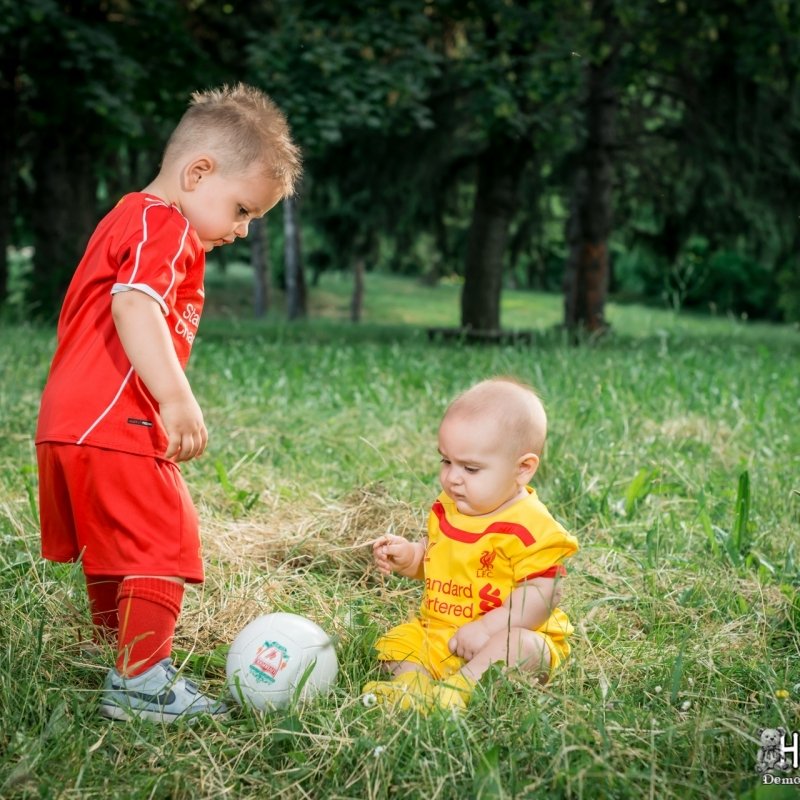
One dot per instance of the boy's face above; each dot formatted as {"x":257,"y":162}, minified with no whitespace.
{"x":220,"y":207}
{"x":480,"y":471}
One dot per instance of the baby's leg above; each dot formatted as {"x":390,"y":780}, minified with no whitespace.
{"x":409,"y":686}
{"x":518,"y":647}
{"x":395,"y":668}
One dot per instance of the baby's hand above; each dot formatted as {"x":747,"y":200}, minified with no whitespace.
{"x":469,"y":640}
{"x":392,"y":553}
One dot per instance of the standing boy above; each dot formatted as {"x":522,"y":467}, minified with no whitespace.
{"x":118,"y":413}
{"x":492,"y":563}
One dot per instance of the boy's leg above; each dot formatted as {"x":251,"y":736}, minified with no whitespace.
{"x":145,"y":683}
{"x":102,"y":591}
{"x":148,"y":609}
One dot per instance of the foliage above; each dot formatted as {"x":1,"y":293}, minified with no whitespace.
{"x":709,"y":162}
{"x":87,"y":102}
{"x":393,"y":105}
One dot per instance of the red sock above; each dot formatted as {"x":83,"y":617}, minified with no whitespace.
{"x":102,"y":591}
{"x":148,"y":612}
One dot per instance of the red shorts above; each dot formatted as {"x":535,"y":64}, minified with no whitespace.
{"x":120,"y":514}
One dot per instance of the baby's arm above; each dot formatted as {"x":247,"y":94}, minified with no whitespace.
{"x":528,"y":606}
{"x":145,"y":338}
{"x":396,"y":554}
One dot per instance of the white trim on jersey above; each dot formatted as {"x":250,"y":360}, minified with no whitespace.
{"x":108,"y":408}
{"x":180,"y":250}
{"x":118,"y":288}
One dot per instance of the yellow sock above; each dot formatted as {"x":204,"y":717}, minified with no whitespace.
{"x":407,"y":690}
{"x":453,"y":692}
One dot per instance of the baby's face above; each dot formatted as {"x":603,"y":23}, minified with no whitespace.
{"x":220,"y":207}
{"x":479,"y":471}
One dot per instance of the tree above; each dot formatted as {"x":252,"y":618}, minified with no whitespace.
{"x":346,"y":75}
{"x":260,"y":262}
{"x":709,"y":129}
{"x":510,"y":69}
{"x":499,"y":171}
{"x":11,"y":21}
{"x":587,"y":271}
{"x":83,"y":95}
{"x":296,"y":301}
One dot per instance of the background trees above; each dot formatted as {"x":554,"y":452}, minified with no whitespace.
{"x":647,"y":148}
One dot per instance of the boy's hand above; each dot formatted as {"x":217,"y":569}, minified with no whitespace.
{"x":469,"y":640}
{"x":147,"y":343}
{"x":183,"y":422}
{"x":394,"y":554}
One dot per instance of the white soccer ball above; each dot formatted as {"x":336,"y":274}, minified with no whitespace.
{"x":278,"y":658}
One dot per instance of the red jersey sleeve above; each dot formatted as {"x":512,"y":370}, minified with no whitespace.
{"x":150,"y":260}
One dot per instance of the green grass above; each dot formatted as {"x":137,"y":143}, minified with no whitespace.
{"x":322,"y":434}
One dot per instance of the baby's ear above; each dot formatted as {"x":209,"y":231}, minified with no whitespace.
{"x":527,"y":466}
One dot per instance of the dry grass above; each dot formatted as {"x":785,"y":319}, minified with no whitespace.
{"x":263,"y":564}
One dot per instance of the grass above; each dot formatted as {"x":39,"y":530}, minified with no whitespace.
{"x":674,"y":455}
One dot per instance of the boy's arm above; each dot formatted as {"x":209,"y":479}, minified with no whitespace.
{"x":528,"y":606}
{"x":396,"y":554}
{"x":145,"y":338}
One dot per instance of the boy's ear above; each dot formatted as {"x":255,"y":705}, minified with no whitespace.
{"x":527,"y":466}
{"x":196,"y":170}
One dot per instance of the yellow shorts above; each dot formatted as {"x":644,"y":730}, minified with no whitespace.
{"x":424,"y":642}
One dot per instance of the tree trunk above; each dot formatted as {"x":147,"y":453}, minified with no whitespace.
{"x":499,"y":171}
{"x":8,"y":156}
{"x":65,"y":213}
{"x":295,"y":280}
{"x":357,"y":300}
{"x":259,"y":259}
{"x":587,"y":272}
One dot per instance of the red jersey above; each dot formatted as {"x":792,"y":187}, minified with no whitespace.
{"x":92,"y":395}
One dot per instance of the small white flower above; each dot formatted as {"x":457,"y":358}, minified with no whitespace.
{"x":686,"y":705}
{"x":690,"y":681}
{"x":378,"y":751}
{"x":369,"y":699}
{"x":658,"y":689}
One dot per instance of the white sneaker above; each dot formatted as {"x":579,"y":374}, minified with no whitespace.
{"x":157,"y":695}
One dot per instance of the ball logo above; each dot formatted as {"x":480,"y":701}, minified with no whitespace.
{"x":271,"y":658}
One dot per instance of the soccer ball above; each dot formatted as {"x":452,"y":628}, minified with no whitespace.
{"x":278,"y":658}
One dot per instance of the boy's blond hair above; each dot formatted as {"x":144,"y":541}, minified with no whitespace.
{"x":516,"y":407}
{"x":239,"y":126}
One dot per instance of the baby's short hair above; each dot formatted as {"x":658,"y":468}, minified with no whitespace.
{"x":240,"y":126}
{"x":515,"y":405}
